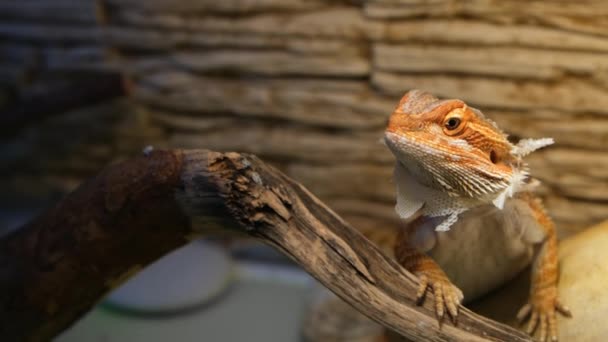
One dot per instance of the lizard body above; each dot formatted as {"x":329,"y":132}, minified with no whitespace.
{"x":476,"y":221}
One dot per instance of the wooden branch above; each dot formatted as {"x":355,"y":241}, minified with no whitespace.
{"x":57,"y":267}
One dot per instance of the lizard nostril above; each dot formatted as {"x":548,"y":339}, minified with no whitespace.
{"x":493,"y":157}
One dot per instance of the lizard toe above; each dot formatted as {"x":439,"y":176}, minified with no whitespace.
{"x":552,"y":326}
{"x":532,"y":323}
{"x":564,"y":310}
{"x":541,"y":313}
{"x":439,"y":303}
{"x":524,"y":312}
{"x":452,"y":304}
{"x":447,"y":296}
{"x":423,"y":283}
{"x":543,"y":327}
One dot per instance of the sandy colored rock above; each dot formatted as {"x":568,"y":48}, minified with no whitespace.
{"x":498,"y":61}
{"x":568,"y":129}
{"x":505,"y":11}
{"x":466,"y":31}
{"x":156,"y":39}
{"x":570,"y":93}
{"x":583,"y":285}
{"x":344,"y":104}
{"x":582,"y":175}
{"x":289,"y":142}
{"x":362,"y":180}
{"x":344,"y":22}
{"x":231,"y":6}
{"x":274,"y":63}
{"x":572,"y":216}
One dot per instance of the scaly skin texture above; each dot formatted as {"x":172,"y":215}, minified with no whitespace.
{"x":452,"y":148}
{"x":429,"y":273}
{"x":543,"y":303}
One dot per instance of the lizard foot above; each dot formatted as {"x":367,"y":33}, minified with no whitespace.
{"x":541,"y":311}
{"x":447,"y":295}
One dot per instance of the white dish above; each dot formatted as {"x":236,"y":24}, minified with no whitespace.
{"x":186,"y":278}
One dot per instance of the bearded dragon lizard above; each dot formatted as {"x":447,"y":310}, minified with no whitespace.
{"x":474,"y":219}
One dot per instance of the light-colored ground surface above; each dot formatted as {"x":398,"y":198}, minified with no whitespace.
{"x":262,"y":304}
{"x":584,"y":285}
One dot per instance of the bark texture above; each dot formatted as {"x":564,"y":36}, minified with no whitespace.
{"x":57,"y":267}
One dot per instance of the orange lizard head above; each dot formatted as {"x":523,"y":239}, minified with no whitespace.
{"x":450,"y":146}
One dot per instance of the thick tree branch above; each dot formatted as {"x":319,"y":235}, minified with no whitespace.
{"x":57,"y":267}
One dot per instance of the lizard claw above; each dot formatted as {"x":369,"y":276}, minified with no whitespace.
{"x":447,"y":295}
{"x":541,"y":312}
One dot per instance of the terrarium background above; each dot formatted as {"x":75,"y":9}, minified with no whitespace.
{"x":308,"y":86}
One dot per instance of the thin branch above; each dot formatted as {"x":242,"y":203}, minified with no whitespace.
{"x":56,"y":268}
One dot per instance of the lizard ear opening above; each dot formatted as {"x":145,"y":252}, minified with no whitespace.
{"x":494,"y":157}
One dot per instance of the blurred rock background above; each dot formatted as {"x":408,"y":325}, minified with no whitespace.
{"x":307,"y":85}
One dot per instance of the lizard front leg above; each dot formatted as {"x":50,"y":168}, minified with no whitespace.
{"x":543,"y":304}
{"x":430,"y":275}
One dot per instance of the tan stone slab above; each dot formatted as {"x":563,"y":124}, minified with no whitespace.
{"x":342,"y":104}
{"x":274,"y":63}
{"x":572,"y":216}
{"x":511,"y":8}
{"x":224,"y":6}
{"x":583,"y":279}
{"x":158,"y":39}
{"x":289,"y":142}
{"x":358,"y":181}
{"x":343,"y":22}
{"x":573,"y":172}
{"x":577,"y":94}
{"x":510,"y":62}
{"x":588,"y":132}
{"x":467,"y":31}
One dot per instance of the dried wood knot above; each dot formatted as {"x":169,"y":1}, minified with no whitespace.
{"x":255,"y":190}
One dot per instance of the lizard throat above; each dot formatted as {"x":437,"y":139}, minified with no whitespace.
{"x":448,"y":166}
{"x":422,"y":184}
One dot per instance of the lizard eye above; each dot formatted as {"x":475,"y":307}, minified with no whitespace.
{"x":452,"y":123}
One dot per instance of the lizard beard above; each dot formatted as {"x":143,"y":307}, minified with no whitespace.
{"x":448,"y":171}
{"x":415,"y":194}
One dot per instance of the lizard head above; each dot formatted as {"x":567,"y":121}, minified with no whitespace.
{"x":449,"y":146}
